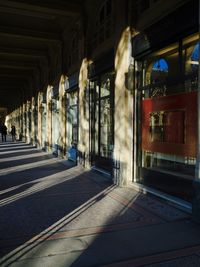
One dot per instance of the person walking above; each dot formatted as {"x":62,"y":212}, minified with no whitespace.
{"x":13,"y":133}
{"x":3,"y":132}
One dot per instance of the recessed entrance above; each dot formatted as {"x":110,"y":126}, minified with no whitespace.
{"x":101,"y":119}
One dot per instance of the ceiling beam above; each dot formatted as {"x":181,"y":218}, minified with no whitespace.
{"x":18,"y":65}
{"x":10,"y":84}
{"x":13,"y":51}
{"x":9,"y":71}
{"x":14,"y":76}
{"x":39,"y":10}
{"x":16,"y":32}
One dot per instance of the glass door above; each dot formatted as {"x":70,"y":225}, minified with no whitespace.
{"x":55,"y":126}
{"x":101,"y":115}
{"x":44,"y":123}
{"x":72,"y":125}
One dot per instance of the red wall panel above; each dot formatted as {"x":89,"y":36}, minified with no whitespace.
{"x":179,"y":124}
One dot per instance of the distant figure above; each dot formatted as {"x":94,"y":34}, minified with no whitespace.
{"x":3,"y":132}
{"x":13,"y":133}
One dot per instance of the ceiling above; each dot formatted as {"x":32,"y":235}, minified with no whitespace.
{"x":31,"y":40}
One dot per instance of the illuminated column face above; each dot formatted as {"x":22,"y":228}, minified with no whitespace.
{"x":28,"y":122}
{"x":123,"y":117}
{"x":18,"y":122}
{"x":33,"y":120}
{"x":49,"y":119}
{"x":62,"y":116}
{"x":49,"y":123}
{"x":83,"y":144}
{"x":40,"y":125}
{"x":40,"y":119}
{"x":21,"y":122}
{"x":63,"y":123}
{"x":24,"y":121}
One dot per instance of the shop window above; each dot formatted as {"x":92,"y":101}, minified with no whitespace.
{"x":191,"y":65}
{"x":101,"y":90}
{"x":173,"y":69}
{"x":168,"y":115}
{"x":72,"y":124}
{"x":104,"y":23}
{"x":163,"y":129}
{"x":156,"y":77}
{"x":195,"y":57}
{"x":160,"y":65}
{"x":105,"y":88}
{"x":159,"y":71}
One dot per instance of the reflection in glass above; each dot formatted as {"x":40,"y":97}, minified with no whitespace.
{"x":167,"y":163}
{"x":105,"y":86}
{"x":167,"y":126}
{"x":105,"y":128}
{"x":195,"y":55}
{"x":101,"y":118}
{"x":72,"y":118}
{"x":156,"y":160}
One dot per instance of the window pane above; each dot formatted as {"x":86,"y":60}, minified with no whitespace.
{"x":105,"y":124}
{"x":105,"y":86}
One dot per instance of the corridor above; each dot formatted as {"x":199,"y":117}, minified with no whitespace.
{"x":53,"y":213}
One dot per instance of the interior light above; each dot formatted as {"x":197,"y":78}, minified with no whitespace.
{"x":194,"y":62}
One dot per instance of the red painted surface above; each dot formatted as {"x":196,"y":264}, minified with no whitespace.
{"x":174,"y":126}
{"x":180,"y":124}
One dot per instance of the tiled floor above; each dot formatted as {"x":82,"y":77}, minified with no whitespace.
{"x":56,"y":214}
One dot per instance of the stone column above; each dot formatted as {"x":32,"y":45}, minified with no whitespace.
{"x":40,"y":110}
{"x":20,"y":123}
{"x":196,"y":182}
{"x":123,"y":117}
{"x":83,"y":140}
{"x":24,"y":122}
{"x":33,"y":119}
{"x":62,"y":117}
{"x":8,"y":121}
{"x":28,"y":122}
{"x":49,"y":119}
{"x":14,"y":119}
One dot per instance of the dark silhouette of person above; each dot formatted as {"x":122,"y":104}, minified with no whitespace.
{"x":13,"y":133}
{"x":3,"y":132}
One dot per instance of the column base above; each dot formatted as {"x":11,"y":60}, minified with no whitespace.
{"x":196,"y":201}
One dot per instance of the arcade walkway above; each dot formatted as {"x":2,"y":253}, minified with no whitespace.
{"x":53,"y":213}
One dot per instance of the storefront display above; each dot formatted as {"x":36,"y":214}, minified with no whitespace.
{"x":168,"y":112}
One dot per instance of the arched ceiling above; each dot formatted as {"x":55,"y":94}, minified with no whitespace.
{"x":31,"y":34}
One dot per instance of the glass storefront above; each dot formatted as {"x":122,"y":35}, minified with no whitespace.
{"x":44,"y":123}
{"x":72,"y":124}
{"x":55,"y":125}
{"x":101,"y":116}
{"x":168,"y":117}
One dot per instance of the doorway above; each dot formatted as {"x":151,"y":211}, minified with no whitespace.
{"x":101,"y":121}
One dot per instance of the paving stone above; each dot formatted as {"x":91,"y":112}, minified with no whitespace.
{"x":55,"y":215}
{"x":190,"y":261}
{"x":158,"y":207}
{"x":104,"y":211}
